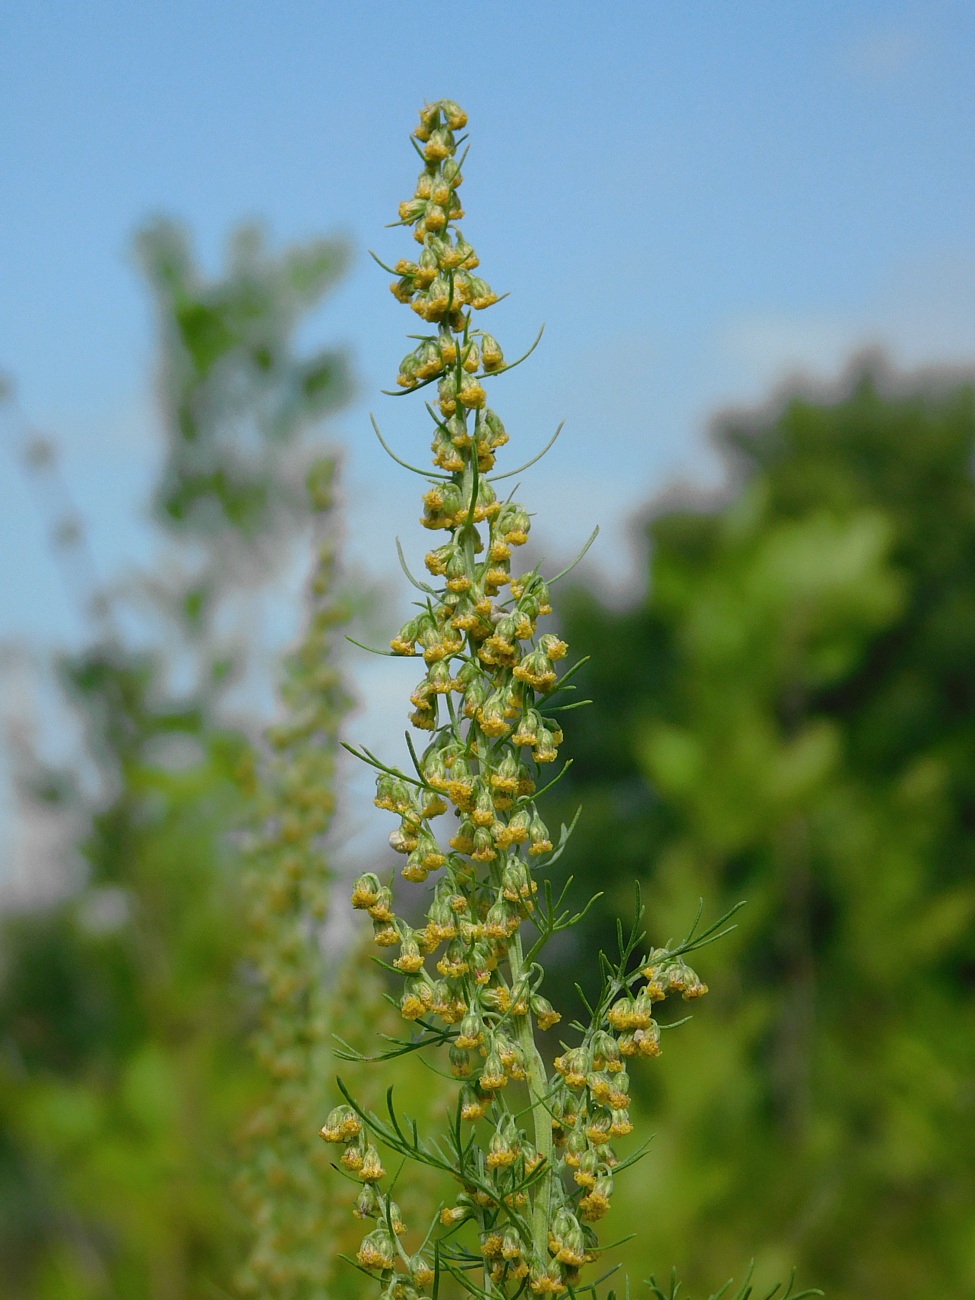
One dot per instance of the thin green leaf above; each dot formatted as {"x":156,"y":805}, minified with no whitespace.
{"x":493,"y":374}
{"x":513,"y":473}
{"x":386,"y":654}
{"x":555,"y":780}
{"x":566,"y":677}
{"x":420,"y":586}
{"x":390,"y":270}
{"x":424,"y":473}
{"x":569,"y":567}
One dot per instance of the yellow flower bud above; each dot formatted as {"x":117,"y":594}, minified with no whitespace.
{"x":454,"y":115}
{"x":454,"y":1214}
{"x":365,"y":892}
{"x":434,"y":217}
{"x":412,"y":209}
{"x":410,"y":959}
{"x":372,"y":1169}
{"x":492,"y":358}
{"x":422,"y":1272}
{"x":493,"y":1076}
{"x":545,"y":1014}
{"x":377,"y":1250}
{"x":439,"y":145}
{"x":342,"y":1125}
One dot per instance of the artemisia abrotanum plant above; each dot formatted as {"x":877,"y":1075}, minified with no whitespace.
{"x":531,"y":1152}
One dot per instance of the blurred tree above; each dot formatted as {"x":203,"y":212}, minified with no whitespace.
{"x":799,"y":731}
{"x":236,"y":397}
{"x":122,"y":1074}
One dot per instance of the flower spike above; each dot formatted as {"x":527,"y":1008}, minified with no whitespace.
{"x":529,"y":1194}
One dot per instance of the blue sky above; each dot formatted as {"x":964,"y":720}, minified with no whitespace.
{"x":697,"y":198}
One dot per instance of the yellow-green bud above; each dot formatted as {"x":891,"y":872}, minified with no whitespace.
{"x":342,"y":1125}
{"x":377,"y":1250}
{"x":454,"y":115}
{"x":429,"y":117}
{"x":471,"y":393}
{"x":574,"y":1065}
{"x":426,"y":268}
{"x":366,"y":890}
{"x":543,"y":1011}
{"x":411,"y":210}
{"x":538,"y":835}
{"x":440,"y":144}
{"x":372,"y":1167}
{"x":464,"y":252}
{"x":480,"y":293}
{"x":460,"y":1062}
{"x":512,"y":1246}
{"x":595,"y":1205}
{"x":434,"y":217}
{"x":493,"y":1076}
{"x":492,"y":358}
{"x":422,"y":1272}
{"x":367,"y":1205}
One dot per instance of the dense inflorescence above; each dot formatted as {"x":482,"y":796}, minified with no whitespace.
{"x":280,"y":1189}
{"x":531,"y":1152}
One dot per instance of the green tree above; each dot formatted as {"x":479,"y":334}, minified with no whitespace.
{"x":800,"y":733}
{"x":123,"y":1076}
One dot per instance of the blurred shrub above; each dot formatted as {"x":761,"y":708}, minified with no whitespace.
{"x":123,"y":1072}
{"x":799,"y":731}
{"x":236,"y":397}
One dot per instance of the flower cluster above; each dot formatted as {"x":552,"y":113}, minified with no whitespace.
{"x":537,"y":1170}
{"x":286,"y":890}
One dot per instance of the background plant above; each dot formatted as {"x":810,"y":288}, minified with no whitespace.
{"x":123,"y":1080}
{"x":798,"y":731}
{"x":308,"y":995}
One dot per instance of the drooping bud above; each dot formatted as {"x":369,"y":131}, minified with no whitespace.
{"x":492,"y":358}
{"x":371,"y":1170}
{"x":545,"y":1014}
{"x":421,"y":1271}
{"x":342,"y":1125}
{"x":367,"y":1205}
{"x":573,"y":1066}
{"x":472,"y":1107}
{"x":538,"y":835}
{"x":493,"y":1076}
{"x":454,"y":115}
{"x":460,"y":1062}
{"x":366,"y":890}
{"x":595,"y":1205}
{"x":377,"y":1250}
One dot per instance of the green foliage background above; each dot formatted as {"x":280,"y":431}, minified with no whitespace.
{"x":124,"y":1073}
{"x":786,"y":717}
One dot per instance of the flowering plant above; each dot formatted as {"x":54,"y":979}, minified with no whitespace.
{"x":530,"y":1151}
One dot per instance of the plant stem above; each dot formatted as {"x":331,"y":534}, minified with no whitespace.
{"x":537,"y":1088}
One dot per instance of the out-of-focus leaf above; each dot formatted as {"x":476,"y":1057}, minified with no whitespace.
{"x":789,"y":717}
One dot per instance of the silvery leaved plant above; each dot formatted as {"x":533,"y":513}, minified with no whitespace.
{"x":530,"y":1152}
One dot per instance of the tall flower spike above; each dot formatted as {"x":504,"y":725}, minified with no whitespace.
{"x":286,"y":891}
{"x":542,"y":1167}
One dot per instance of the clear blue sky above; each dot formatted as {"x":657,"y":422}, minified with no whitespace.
{"x":697,"y":197}
{"x":694,"y":196}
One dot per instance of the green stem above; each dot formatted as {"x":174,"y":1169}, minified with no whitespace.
{"x":537,"y":1088}
{"x":537,"y":1080}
